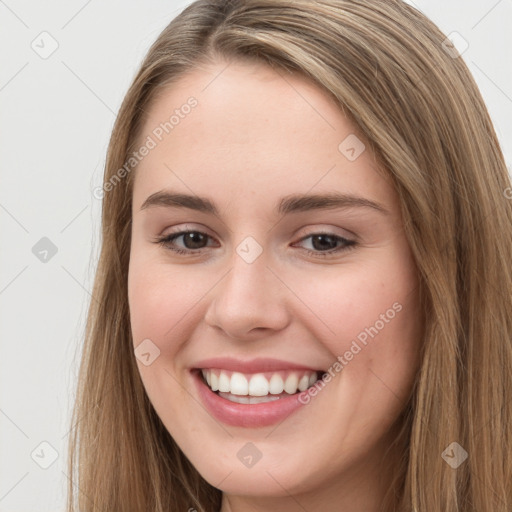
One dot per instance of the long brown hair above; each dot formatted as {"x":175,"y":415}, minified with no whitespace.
{"x":420,"y":110}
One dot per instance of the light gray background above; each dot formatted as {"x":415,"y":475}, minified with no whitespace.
{"x":56,"y":118}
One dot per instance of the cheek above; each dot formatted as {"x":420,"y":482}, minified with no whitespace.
{"x":369,"y":317}
{"x":162,"y":310}
{"x":149,"y":304}
{"x":165,"y":302}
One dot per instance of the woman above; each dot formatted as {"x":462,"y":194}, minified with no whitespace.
{"x":235,"y":362}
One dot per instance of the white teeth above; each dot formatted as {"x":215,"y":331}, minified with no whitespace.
{"x":258,"y":384}
{"x":239,"y":384}
{"x":214,"y":382}
{"x":224,"y":382}
{"x":291,"y":383}
{"x":304,"y":383}
{"x":276,"y":384}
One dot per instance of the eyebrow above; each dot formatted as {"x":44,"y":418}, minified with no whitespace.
{"x":288,"y":204}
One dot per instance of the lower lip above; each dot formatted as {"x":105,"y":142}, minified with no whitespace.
{"x":246,"y":415}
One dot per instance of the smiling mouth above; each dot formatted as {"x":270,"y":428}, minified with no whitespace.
{"x":258,"y":388}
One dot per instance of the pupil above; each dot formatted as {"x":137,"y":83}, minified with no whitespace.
{"x":193,"y":238}
{"x":332,"y":245}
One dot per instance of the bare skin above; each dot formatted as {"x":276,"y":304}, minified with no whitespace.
{"x":254,"y":138}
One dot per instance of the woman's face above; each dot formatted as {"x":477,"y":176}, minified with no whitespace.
{"x":277,"y":282}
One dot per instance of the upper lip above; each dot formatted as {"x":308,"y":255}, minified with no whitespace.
{"x":258,"y":365}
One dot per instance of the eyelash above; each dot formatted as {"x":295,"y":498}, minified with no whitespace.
{"x":348,"y":244}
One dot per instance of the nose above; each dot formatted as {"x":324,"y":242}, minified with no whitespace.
{"x":248,"y":301}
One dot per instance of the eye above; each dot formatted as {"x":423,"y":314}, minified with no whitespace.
{"x":323,"y":244}
{"x":193,"y":240}
{"x":322,"y":241}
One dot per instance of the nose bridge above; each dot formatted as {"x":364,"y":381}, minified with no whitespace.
{"x":248,"y":296}
{"x":247,"y":278}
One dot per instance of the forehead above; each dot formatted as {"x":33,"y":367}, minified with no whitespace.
{"x":252,"y":129}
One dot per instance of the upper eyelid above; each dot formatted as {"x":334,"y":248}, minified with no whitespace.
{"x":310,"y":231}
